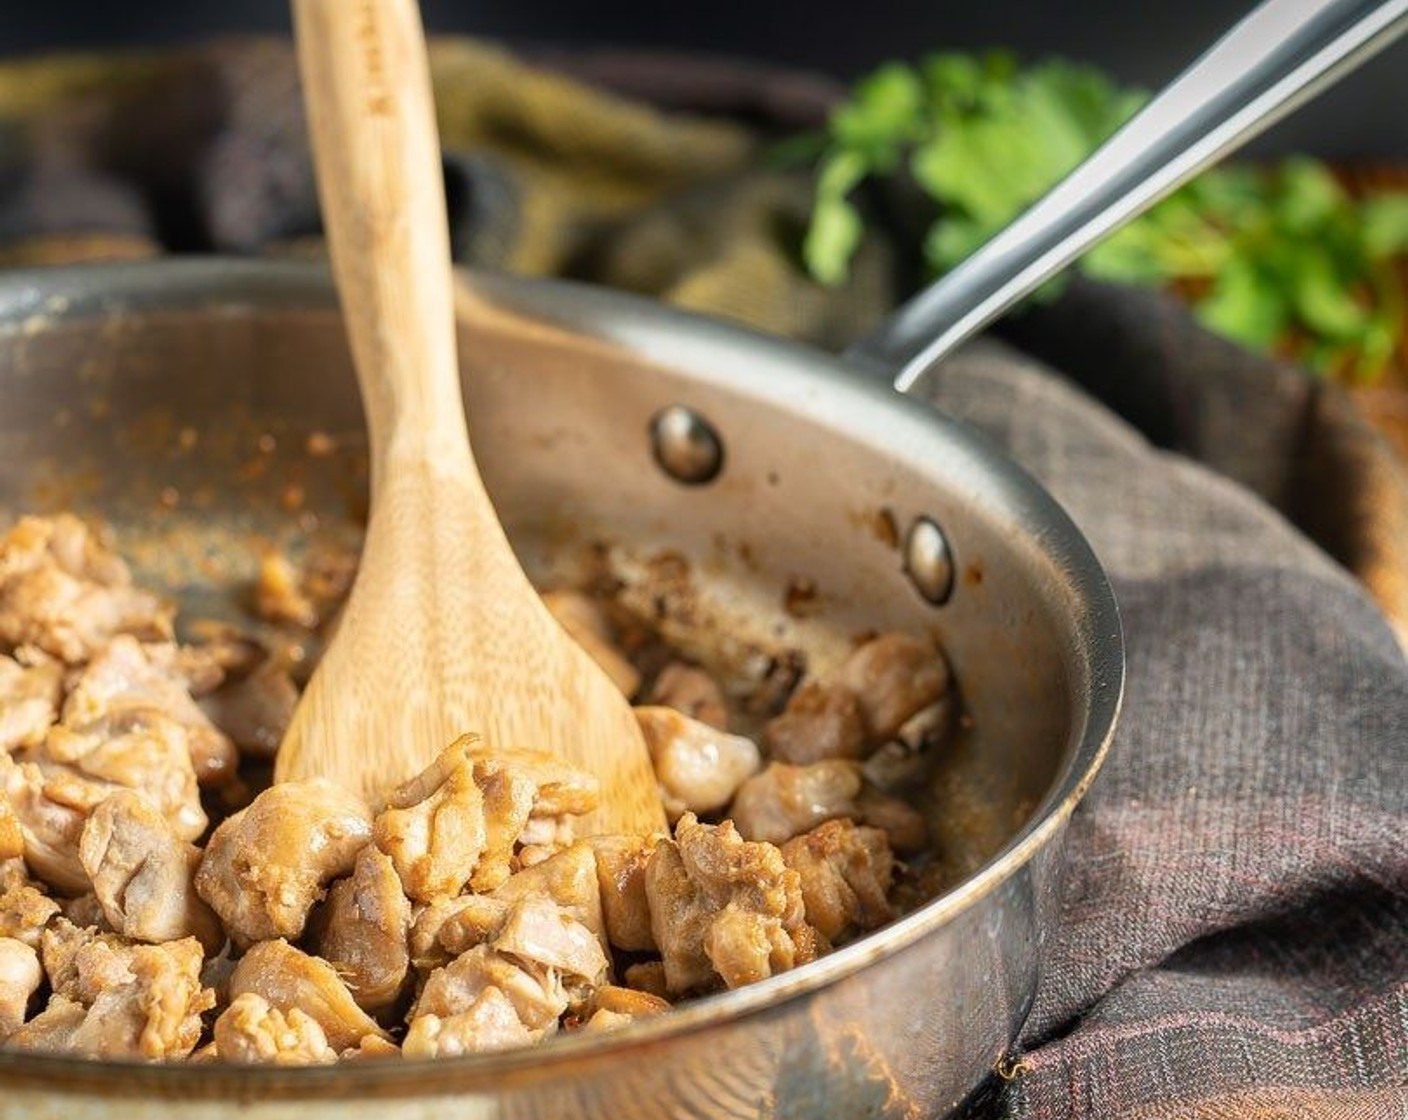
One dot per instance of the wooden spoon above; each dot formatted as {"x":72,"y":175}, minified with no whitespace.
{"x":442,"y":633}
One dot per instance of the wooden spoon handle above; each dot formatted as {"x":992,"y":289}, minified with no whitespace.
{"x":380,"y":181}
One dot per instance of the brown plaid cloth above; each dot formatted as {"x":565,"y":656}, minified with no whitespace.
{"x":1235,"y":943}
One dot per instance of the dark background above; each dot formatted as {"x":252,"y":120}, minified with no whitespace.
{"x":1140,"y":41}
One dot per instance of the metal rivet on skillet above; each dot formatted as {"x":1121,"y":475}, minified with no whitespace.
{"x":686,"y":446}
{"x":928,"y":561}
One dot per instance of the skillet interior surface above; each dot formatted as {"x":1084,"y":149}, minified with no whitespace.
{"x":177,"y":402}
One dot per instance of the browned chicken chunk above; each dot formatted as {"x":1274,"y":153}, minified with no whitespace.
{"x":434,"y":829}
{"x":611,"y":1007}
{"x":692,"y":692}
{"x":821,"y":721}
{"x":137,"y":1001}
{"x":448,"y":927}
{"x":458,"y":822}
{"x":51,"y":810}
{"x":489,"y":1022}
{"x":29,"y":701}
{"x":287,"y":978}
{"x":545,"y":936}
{"x":147,"y":755}
{"x":698,"y":767}
{"x":24,"y":907}
{"x":540,"y":959}
{"x":620,"y":866}
{"x":785,"y":801}
{"x":142,"y":873}
{"x":157,"y":1014}
{"x":256,"y":710}
{"x":20,"y":978}
{"x":903,"y":825}
{"x":722,"y":907}
{"x":52,"y":1029}
{"x":569,"y":878}
{"x":363,"y":929}
{"x":250,"y":1032}
{"x":11,"y":831}
{"x":127,"y":684}
{"x":265,"y":867}
{"x":845,"y":873}
{"x":893,"y":676}
{"x":537,"y":995}
{"x":64,"y":591}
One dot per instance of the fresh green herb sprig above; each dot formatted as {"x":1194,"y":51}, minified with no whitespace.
{"x":1282,"y":259}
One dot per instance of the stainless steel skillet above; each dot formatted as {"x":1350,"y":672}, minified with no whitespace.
{"x":177,"y":399}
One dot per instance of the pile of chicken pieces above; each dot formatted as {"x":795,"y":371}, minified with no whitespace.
{"x":463,"y":915}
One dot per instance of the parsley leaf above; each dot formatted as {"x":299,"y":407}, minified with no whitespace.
{"x":1281,"y":259}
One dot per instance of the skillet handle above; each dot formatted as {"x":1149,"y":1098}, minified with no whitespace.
{"x":1278,"y":57}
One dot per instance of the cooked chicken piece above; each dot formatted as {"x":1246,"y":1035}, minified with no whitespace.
{"x":51,"y":810}
{"x":584,"y":619}
{"x":904,"y":825}
{"x":698,"y":767}
{"x":846,"y":874}
{"x":278,"y":597}
{"x":724,"y":907}
{"x":24,"y":907}
{"x":540,"y":958}
{"x":363,"y":928}
{"x":538,"y":934}
{"x":508,"y":807}
{"x":537,"y":996}
{"x":692,"y":691}
{"x":647,"y":977}
{"x":458,"y":821}
{"x":371,"y":1046}
{"x":561,"y":790}
{"x":821,"y":721}
{"x":569,"y":878}
{"x":489,"y":1023}
{"x":29,"y":701}
{"x":11,"y":832}
{"x":82,"y":961}
{"x":250,"y":1032}
{"x":448,"y":927}
{"x":20,"y":977}
{"x":127,"y":683}
{"x":256,"y":710}
{"x":156,"y":1015}
{"x":905,"y":761}
{"x":287,"y":978}
{"x":52,"y":1029}
{"x":142,"y":872}
{"x":611,"y":1007}
{"x":893,"y":676}
{"x":141,"y":1001}
{"x":144,"y":752}
{"x":433,"y":827}
{"x":543,"y":935}
{"x":620,"y":868}
{"x":266,"y":866}
{"x":64,"y":591}
{"x":785,"y":801}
